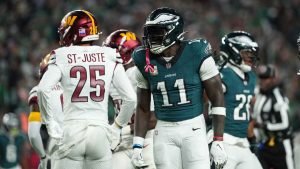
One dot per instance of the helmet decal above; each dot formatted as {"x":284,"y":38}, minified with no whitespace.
{"x":124,"y":41}
{"x":76,"y":27}
{"x":236,"y":46}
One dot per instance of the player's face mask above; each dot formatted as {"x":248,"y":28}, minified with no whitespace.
{"x":155,"y":37}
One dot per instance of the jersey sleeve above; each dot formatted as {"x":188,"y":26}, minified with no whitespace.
{"x":32,"y":99}
{"x":139,"y":57}
{"x":113,"y":92}
{"x":51,"y":77}
{"x":35,"y":138}
{"x":208,"y":69}
{"x":126,"y":91}
{"x":141,"y":81}
{"x":34,"y":116}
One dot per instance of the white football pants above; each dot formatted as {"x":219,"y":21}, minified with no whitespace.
{"x":122,"y":158}
{"x":240,"y":158}
{"x":85,"y":145}
{"x":181,"y":145}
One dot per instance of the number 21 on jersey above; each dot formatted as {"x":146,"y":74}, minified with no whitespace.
{"x":244,"y":102}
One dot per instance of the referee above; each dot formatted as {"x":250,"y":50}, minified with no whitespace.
{"x":271,"y":110}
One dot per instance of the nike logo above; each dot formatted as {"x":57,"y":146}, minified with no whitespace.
{"x":219,"y":146}
{"x":194,"y":129}
{"x":146,"y":145}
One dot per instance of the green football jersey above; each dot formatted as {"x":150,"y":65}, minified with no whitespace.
{"x":176,"y":85}
{"x":10,"y":150}
{"x":237,"y":97}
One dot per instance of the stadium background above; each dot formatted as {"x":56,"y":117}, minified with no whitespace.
{"x":28,"y":31}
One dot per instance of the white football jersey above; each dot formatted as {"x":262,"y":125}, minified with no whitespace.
{"x":85,"y":73}
{"x":56,"y":99}
{"x":132,"y":75}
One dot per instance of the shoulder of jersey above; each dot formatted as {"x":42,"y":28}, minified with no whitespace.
{"x":33,"y":95}
{"x":112,"y":54}
{"x":252,"y":76}
{"x":200,"y":43}
{"x":225,"y":71}
{"x":196,"y":42}
{"x":138,"y":54}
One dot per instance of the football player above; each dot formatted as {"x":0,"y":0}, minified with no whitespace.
{"x":176,"y":72}
{"x":13,"y":143}
{"x":239,"y":52}
{"x":35,"y":118}
{"x":85,"y":72}
{"x":125,"y":42}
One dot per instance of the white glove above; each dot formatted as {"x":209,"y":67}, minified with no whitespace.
{"x":116,"y":136}
{"x":137,"y":158}
{"x":218,"y":154}
{"x":43,"y":163}
{"x":54,"y":130}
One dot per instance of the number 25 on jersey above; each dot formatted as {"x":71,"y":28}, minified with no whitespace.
{"x":83,"y":73}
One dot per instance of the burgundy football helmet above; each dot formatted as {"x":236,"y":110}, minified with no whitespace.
{"x":124,"y":41}
{"x":76,"y":27}
{"x":44,"y":65}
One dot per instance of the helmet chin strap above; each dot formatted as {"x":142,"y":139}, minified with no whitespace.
{"x":245,"y":68}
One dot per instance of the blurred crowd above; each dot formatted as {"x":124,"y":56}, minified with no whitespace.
{"x":28,"y":32}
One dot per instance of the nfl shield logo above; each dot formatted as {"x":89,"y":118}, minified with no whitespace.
{"x":168,"y":65}
{"x":82,"y":32}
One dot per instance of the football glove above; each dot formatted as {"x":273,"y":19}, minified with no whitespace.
{"x":253,"y":144}
{"x":116,"y":136}
{"x":43,"y":162}
{"x":137,"y":158}
{"x":218,"y":154}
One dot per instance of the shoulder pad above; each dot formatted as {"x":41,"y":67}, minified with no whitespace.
{"x":201,"y":44}
{"x":138,"y":53}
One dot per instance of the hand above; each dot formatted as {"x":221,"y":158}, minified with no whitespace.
{"x":137,"y":158}
{"x":117,"y":105}
{"x":54,"y":130}
{"x":43,"y":163}
{"x":218,"y":154}
{"x":253,"y":144}
{"x":116,"y":136}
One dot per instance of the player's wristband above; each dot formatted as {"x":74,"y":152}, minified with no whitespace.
{"x":138,"y":142}
{"x":218,"y":111}
{"x":218,"y":138}
{"x":137,"y":146}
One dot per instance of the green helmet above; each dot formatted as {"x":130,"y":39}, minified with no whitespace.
{"x":10,"y":121}
{"x":233,"y":43}
{"x":163,"y":27}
